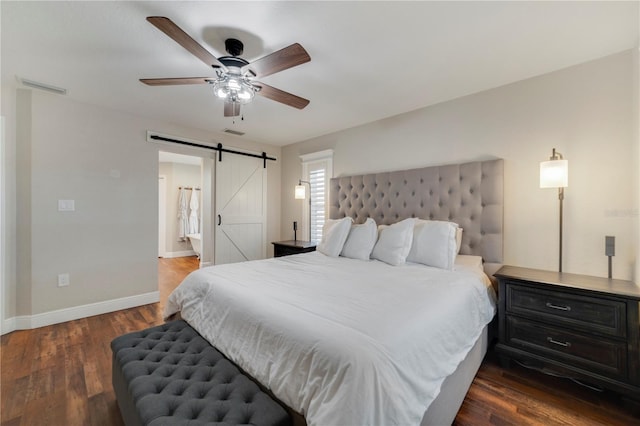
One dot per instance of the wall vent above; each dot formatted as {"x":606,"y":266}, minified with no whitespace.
{"x":43,"y":86}
{"x":233,"y":132}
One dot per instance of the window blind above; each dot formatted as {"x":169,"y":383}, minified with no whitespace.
{"x":317,"y":169}
{"x":317,"y":178}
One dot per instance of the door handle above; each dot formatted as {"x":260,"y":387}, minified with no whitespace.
{"x":219,"y":220}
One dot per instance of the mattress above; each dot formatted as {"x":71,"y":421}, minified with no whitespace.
{"x":341,"y":341}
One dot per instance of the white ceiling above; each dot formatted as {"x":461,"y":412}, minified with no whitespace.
{"x":369,"y":60}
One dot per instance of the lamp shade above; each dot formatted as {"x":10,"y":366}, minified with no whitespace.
{"x":554,"y":174}
{"x":300,"y":192}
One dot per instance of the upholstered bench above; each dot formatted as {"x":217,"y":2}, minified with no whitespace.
{"x":170,"y":375}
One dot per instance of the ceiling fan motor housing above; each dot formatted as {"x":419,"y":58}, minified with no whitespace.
{"x":233,"y":46}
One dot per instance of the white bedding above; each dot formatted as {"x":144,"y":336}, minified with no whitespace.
{"x":341,"y":341}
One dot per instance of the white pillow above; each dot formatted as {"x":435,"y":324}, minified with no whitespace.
{"x":458,"y":239}
{"x":434,"y":244}
{"x":469,"y":261}
{"x":361,"y":240}
{"x":394,"y":242}
{"x":334,"y":234}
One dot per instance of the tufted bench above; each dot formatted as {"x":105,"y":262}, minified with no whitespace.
{"x":170,"y":375}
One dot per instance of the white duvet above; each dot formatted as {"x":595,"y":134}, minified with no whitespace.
{"x":341,"y":341}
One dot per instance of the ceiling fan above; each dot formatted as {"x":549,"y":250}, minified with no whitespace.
{"x":235,"y":77}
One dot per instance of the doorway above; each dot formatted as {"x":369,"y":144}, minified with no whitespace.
{"x":237,"y":215}
{"x":181,"y":203}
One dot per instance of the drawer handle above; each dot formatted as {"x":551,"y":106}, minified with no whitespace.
{"x":555,"y":342}
{"x":558,"y":307}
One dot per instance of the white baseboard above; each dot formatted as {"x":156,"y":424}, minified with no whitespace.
{"x":27,"y":322}
{"x":8,"y":326}
{"x":185,"y":253}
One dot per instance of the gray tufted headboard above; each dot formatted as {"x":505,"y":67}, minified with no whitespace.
{"x":469,"y":194}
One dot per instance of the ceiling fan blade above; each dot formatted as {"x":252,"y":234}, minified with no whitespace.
{"x":280,"y":95}
{"x":283,"y":59}
{"x":168,"y":27}
{"x":231,"y":109}
{"x":175,"y":81}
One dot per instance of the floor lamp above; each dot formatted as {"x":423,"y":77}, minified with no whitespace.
{"x":301,"y":194}
{"x":555,"y":174}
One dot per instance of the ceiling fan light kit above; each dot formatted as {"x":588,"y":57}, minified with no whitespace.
{"x":233,"y":88}
{"x":234,"y":81}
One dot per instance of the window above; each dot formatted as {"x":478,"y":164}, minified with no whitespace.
{"x":317,"y":180}
{"x":317,"y":169}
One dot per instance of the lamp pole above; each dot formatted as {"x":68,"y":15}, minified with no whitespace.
{"x":561,"y":198}
{"x":557,"y":156}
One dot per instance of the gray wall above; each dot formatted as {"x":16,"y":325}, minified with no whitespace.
{"x":56,"y":148}
{"x":586,"y":112}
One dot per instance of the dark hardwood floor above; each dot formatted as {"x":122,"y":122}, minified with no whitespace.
{"x":519,"y":396}
{"x":171,"y":272}
{"x":61,"y":375}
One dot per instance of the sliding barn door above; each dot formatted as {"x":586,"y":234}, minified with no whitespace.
{"x":241,"y":206}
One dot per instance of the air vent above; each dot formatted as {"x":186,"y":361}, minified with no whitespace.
{"x":43,"y":86}
{"x":233,"y":132}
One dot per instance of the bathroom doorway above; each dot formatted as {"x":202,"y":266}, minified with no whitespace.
{"x":180,"y":213}
{"x":182,"y":201}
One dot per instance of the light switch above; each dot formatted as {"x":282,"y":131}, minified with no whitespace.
{"x":66,"y":205}
{"x":63,"y":280}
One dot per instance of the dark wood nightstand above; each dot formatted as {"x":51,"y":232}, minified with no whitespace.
{"x":582,"y":327}
{"x":285,"y":248}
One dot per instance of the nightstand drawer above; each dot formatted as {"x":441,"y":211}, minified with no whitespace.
{"x":608,"y":357}
{"x":286,"y":251}
{"x":579,"y":312}
{"x":286,"y":248}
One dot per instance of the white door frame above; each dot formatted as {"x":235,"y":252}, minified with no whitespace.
{"x":3,"y":234}
{"x":162,"y":216}
{"x":207,"y":227}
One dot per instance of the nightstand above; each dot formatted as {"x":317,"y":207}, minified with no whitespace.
{"x":285,"y":248}
{"x":578,"y":326}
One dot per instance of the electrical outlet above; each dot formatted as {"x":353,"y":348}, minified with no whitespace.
{"x":63,"y":280}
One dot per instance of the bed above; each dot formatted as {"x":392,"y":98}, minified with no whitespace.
{"x":344,"y":340}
